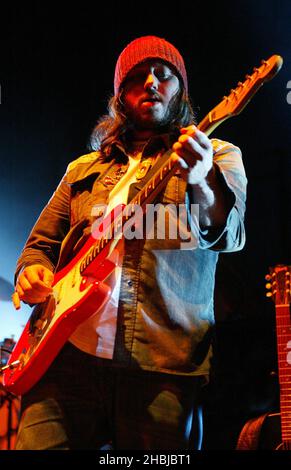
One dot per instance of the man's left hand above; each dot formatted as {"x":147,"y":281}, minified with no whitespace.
{"x":194,"y":152}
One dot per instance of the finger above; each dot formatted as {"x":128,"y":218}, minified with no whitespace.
{"x":19,"y":290}
{"x":47,"y":277}
{"x":16,"y":300}
{"x":190,"y":130}
{"x":198,"y":137}
{"x":189,"y":150}
{"x":203,"y":140}
{"x":35,"y":299}
{"x":32,"y":298}
{"x":38,"y":272}
{"x":186,"y":145}
{"x":23,"y":283}
{"x":22,"y":294}
{"x":177,"y":146}
{"x":179,"y":160}
{"x":35,"y":282}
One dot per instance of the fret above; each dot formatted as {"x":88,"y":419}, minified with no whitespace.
{"x":96,"y":250}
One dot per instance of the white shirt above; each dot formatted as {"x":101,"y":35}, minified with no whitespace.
{"x":96,"y":335}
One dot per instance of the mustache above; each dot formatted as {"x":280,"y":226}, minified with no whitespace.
{"x":150,"y":96}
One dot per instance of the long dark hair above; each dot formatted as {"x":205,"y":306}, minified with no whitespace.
{"x":115,"y":125}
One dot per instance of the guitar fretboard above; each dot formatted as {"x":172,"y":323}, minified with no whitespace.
{"x":284,"y":366}
{"x":280,"y":284}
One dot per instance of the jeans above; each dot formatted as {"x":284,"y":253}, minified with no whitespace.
{"x":82,"y":402}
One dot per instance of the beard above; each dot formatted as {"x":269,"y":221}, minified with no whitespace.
{"x":152,"y":120}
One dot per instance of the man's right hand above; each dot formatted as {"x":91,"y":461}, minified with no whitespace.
{"x":33,"y":285}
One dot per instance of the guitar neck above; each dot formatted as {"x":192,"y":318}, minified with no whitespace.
{"x":279,"y":283}
{"x":284,"y":367}
{"x":160,"y":177}
{"x":208,"y":125}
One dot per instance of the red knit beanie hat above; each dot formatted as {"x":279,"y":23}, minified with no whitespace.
{"x":148,"y":47}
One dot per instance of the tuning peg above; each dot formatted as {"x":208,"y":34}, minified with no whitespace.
{"x":268,"y":277}
{"x":234,"y":91}
{"x":269,"y":294}
{"x":268,"y":285}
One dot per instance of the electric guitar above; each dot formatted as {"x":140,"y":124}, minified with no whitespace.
{"x":84,"y":286}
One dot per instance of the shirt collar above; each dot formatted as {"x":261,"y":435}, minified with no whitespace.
{"x":157,"y":143}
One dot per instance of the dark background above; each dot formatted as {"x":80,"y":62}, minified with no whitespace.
{"x":56,"y":76}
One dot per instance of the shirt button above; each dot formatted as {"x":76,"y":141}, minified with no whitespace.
{"x":129,"y":283}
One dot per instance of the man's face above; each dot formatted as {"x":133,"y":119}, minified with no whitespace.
{"x":149,"y":92}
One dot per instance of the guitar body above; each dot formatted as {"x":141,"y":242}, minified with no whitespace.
{"x":76,"y":296}
{"x":261,"y":433}
{"x":271,"y":436}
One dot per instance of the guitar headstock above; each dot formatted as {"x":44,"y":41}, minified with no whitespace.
{"x":239,"y":97}
{"x":278,"y":284}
